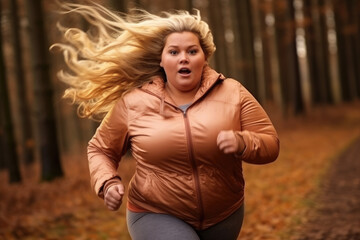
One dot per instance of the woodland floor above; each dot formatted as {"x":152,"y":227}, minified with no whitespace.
{"x":310,"y":192}
{"x":336,"y":214}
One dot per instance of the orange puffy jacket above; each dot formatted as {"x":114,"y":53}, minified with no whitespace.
{"x":179,"y":168}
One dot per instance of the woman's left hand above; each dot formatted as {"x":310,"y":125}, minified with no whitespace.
{"x":227,"y":142}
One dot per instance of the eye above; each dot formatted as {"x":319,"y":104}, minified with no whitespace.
{"x":173,"y":52}
{"x":193,"y":51}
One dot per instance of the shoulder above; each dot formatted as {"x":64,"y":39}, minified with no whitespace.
{"x":229,"y":86}
{"x":226,"y":91}
{"x":232,"y":91}
{"x":232,"y":83}
{"x":138,"y":98}
{"x":235,"y":86}
{"x":148,"y":92}
{"x":139,"y":102}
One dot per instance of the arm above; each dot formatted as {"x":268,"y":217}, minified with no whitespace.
{"x":106,"y":148}
{"x":257,"y":132}
{"x":257,"y":142}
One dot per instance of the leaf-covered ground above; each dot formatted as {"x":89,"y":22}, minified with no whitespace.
{"x":336,"y":211}
{"x":279,"y":196}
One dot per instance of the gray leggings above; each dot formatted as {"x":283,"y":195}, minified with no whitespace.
{"x":154,"y":226}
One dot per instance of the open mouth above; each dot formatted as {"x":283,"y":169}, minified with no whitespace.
{"x":184,"y":71}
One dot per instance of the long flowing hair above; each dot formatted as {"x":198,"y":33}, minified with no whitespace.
{"x":124,"y":53}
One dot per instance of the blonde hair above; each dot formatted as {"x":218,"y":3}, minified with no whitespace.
{"x":124,"y":54}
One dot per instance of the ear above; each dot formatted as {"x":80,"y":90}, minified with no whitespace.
{"x":161,"y":64}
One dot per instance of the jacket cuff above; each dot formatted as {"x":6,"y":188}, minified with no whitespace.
{"x":239,"y":139}
{"x":111,"y":182}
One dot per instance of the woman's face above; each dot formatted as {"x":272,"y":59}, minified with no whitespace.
{"x":183,"y":61}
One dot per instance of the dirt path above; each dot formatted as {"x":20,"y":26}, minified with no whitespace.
{"x":336,"y":214}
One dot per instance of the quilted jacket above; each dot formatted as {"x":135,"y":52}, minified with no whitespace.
{"x":179,"y":168}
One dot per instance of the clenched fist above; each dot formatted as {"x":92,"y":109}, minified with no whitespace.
{"x":113,"y":196}
{"x":229,"y":143}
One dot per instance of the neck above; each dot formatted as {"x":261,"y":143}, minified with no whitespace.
{"x":180,"y":97}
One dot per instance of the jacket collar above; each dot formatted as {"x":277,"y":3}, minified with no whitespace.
{"x":209,"y":78}
{"x":157,"y":85}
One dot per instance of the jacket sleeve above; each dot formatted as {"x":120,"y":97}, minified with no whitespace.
{"x":107,"y":146}
{"x":260,"y":137}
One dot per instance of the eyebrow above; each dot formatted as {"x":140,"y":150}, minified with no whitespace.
{"x":176,"y":46}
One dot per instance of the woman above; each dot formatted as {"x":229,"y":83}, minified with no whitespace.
{"x":188,"y":127}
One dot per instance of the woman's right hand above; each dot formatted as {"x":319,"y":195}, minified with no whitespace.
{"x":113,"y":196}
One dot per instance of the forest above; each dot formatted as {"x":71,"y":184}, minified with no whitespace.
{"x":299,"y":58}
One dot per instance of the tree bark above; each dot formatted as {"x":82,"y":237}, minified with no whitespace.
{"x":119,"y":5}
{"x":344,"y":30}
{"x":218,"y":30}
{"x":321,"y":83}
{"x":184,"y":5}
{"x":244,"y":45}
{"x":190,"y":5}
{"x":289,"y":66}
{"x":333,"y":53}
{"x":356,"y":10}
{"x":43,"y":94}
{"x":27,"y":140}
{"x":2,"y":137}
{"x":271,"y":56}
{"x":137,"y":3}
{"x":303,"y":47}
{"x":7,"y":130}
{"x":259,"y":51}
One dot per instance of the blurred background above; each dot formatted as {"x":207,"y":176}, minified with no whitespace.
{"x":299,"y":58}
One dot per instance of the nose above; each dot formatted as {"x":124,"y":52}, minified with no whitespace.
{"x":184,"y":58}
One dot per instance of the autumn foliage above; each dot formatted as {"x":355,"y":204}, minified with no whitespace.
{"x":278,"y":195}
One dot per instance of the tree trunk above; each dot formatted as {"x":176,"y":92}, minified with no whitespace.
{"x":333,"y":53}
{"x":346,"y":36}
{"x":302,"y":48}
{"x":43,"y":94}
{"x":2,"y":138}
{"x":184,"y":5}
{"x":356,"y":10}
{"x":268,"y":76}
{"x":218,"y":30}
{"x":119,"y":5}
{"x":305,"y":29}
{"x":321,"y":85}
{"x":244,"y":44}
{"x":26,"y":141}
{"x":271,"y":56}
{"x":289,"y":68}
{"x":138,"y":3}
{"x":190,"y":5}
{"x":259,"y":51}
{"x":7,"y":130}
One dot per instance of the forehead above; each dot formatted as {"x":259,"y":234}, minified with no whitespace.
{"x":182,"y":38}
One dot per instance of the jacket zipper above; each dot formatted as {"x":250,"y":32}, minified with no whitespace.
{"x":194,"y":168}
{"x":191,"y":155}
